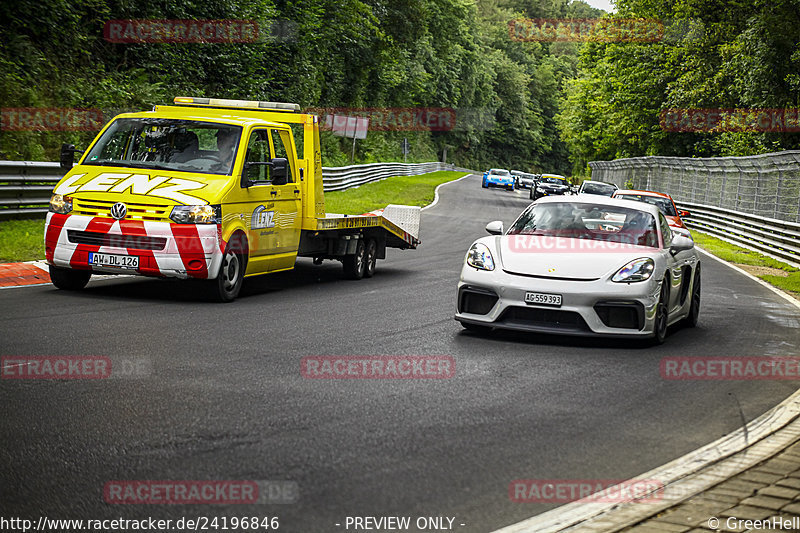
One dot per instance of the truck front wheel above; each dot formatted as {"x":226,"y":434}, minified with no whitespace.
{"x":231,"y":274}
{"x":68,"y":279}
{"x":354,"y":264}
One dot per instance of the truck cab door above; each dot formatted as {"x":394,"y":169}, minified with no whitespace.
{"x":272,"y":205}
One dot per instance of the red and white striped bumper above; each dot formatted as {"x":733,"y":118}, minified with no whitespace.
{"x":164,"y":249}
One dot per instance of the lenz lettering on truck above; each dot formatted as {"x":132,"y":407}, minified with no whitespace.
{"x":209,"y":189}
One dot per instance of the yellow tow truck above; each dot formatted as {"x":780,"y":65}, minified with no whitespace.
{"x":211,"y":189}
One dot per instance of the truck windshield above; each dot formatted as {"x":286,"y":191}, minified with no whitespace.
{"x":166,"y":144}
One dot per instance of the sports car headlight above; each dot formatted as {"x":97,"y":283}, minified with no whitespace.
{"x":637,"y":270}
{"x":480,"y":257}
{"x":60,"y":204}
{"x":196,"y":214}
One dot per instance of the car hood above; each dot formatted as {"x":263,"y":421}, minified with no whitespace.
{"x":552,"y":186}
{"x":161,"y":187}
{"x":563,"y":257}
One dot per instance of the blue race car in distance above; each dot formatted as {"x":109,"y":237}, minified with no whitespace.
{"x":498,"y":177}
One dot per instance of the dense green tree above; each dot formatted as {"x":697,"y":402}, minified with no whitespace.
{"x":715,"y":54}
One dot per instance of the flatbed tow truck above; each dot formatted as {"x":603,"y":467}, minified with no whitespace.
{"x":211,"y":189}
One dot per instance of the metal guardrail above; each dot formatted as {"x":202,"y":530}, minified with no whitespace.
{"x":751,"y":201}
{"x":767,"y":185}
{"x":340,"y":178}
{"x":25,"y":186}
{"x":775,"y":238}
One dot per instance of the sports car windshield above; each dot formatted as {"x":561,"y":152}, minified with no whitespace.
{"x":588,"y":221}
{"x":665,"y":205}
{"x":557,"y":181}
{"x":503,"y":173}
{"x":165,"y":144}
{"x":599,"y":188}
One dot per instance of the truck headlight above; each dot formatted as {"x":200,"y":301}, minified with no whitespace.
{"x":480,"y":257}
{"x":637,"y":270}
{"x":196,"y":214}
{"x":60,"y":204}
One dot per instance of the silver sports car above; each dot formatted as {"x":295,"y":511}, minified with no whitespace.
{"x":586,"y":266}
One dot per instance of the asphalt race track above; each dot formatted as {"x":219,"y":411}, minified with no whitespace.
{"x":223,"y":397}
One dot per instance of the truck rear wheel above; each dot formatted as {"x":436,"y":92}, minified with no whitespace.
{"x":231,"y":274}
{"x":354,"y":264}
{"x":68,"y":279}
{"x":371,"y":258}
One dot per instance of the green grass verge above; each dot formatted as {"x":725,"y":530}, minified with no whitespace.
{"x":403,"y":190}
{"x":21,"y":240}
{"x":789,"y":282}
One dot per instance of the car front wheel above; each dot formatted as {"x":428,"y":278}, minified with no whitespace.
{"x":662,"y":314}
{"x":694,"y":309}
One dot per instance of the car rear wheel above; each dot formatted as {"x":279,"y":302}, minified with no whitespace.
{"x":226,"y":287}
{"x":694,"y":309}
{"x":354,"y":264}
{"x":68,"y":279}
{"x":662,"y":314}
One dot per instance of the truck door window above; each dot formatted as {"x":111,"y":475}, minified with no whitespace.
{"x":258,"y":152}
{"x":280,"y":141}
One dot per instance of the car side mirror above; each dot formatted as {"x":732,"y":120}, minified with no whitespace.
{"x":67,"y":156}
{"x":280,"y":171}
{"x":680,"y":243}
{"x":683,"y":213}
{"x":495,"y":227}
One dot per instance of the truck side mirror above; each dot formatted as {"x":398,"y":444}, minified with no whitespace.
{"x":246,"y":181}
{"x":67,"y":158}
{"x":280,"y":171}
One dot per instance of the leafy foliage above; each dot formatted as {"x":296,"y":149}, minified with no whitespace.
{"x":714,"y":55}
{"x":321,"y":53}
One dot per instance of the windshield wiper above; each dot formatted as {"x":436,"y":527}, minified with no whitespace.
{"x":135,"y":164}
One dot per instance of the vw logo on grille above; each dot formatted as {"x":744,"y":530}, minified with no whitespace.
{"x":119,"y":210}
